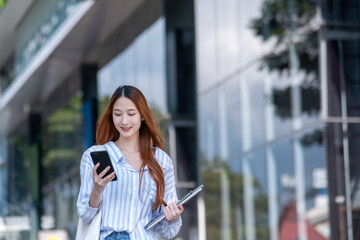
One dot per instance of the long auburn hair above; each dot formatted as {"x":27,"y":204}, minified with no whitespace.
{"x":149,"y":136}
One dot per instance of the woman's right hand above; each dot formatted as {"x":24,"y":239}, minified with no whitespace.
{"x":100,"y":183}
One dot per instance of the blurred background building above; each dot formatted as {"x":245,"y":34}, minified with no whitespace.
{"x":259,"y":101}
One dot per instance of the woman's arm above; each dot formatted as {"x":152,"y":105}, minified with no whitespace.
{"x":85,"y":211}
{"x":92,"y":186}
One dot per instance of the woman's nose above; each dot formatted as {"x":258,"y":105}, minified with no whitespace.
{"x":123,"y":119}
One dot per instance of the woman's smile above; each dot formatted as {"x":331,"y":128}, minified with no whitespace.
{"x":126,"y":129}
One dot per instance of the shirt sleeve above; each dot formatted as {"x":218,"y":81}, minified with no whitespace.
{"x":164,"y":229}
{"x":86,"y":213}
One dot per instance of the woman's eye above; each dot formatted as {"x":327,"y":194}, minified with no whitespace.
{"x":131,"y":114}
{"x":117,"y":114}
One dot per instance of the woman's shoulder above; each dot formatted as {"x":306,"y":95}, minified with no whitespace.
{"x":163,"y":158}
{"x":86,"y":157}
{"x":94,"y":148}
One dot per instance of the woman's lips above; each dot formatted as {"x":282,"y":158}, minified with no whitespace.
{"x":126,"y":129}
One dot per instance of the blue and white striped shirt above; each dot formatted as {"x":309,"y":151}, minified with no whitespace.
{"x":122,"y":209}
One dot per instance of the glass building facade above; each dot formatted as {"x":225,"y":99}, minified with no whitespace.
{"x":268,"y":103}
{"x":259,"y":101}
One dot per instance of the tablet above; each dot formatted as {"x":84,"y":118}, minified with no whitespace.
{"x":189,"y":196}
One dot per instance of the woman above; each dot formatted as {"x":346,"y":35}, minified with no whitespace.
{"x":145,"y":186}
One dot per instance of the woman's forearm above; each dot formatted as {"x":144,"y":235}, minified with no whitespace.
{"x":94,"y":200}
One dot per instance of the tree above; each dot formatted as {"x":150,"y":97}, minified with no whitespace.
{"x":279,"y":21}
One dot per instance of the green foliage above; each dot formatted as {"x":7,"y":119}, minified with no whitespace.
{"x":280,"y":18}
{"x":277,"y":17}
{"x":103,"y":103}
{"x":3,"y":3}
{"x":22,"y":175}
{"x":63,"y":140}
{"x":212,"y":195}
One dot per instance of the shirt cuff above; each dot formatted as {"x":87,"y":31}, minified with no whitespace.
{"x":92,"y":211}
{"x":175,"y":223}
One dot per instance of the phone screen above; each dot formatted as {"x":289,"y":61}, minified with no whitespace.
{"x":103,"y":158}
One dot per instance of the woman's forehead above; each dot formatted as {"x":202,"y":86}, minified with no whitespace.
{"x":124,"y":104}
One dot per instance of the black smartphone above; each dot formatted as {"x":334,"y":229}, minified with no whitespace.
{"x":103,"y":158}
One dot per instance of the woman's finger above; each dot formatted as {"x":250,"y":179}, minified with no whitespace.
{"x":102,"y":174}
{"x":95,"y":168}
{"x":109,"y":177}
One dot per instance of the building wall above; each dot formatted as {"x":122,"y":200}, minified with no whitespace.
{"x":260,"y":132}
{"x":340,"y":43}
{"x":274,"y":118}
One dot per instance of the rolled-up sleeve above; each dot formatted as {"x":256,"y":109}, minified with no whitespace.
{"x":164,"y":229}
{"x":85,"y":212}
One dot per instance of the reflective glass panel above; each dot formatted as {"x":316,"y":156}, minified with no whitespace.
{"x":208,"y":124}
{"x":259,"y":183}
{"x":316,"y":184}
{"x":229,"y":119}
{"x":63,"y":147}
{"x":142,"y":65}
{"x":205,"y":22}
{"x":252,"y":105}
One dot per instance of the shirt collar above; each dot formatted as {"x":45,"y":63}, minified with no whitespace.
{"x":117,"y":155}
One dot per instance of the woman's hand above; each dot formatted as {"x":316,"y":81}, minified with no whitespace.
{"x":172,"y":211}
{"x":100,"y":183}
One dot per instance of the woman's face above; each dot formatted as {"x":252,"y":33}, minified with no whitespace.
{"x":126,"y":118}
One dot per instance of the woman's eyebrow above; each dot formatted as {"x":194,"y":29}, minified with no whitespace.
{"x":128,"y":110}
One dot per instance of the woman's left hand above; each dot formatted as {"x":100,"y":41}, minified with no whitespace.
{"x":172,"y":211}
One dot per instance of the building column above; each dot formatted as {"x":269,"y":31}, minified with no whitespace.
{"x":36,"y":140}
{"x":3,"y":175}
{"x":90,"y":108}
{"x":181,"y":98}
{"x":246,"y":137}
{"x":270,"y":159}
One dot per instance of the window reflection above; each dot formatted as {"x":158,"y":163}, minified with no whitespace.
{"x":345,"y":179}
{"x":224,"y":203}
{"x":229,"y":119}
{"x":252,"y":104}
{"x":142,"y":65}
{"x":259,"y":189}
{"x":63,"y":147}
{"x":272,"y":77}
{"x":287,"y":19}
{"x":205,"y":43}
{"x":209,"y":128}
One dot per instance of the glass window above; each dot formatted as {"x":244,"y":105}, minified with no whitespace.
{"x":213,"y":201}
{"x":258,"y":194}
{"x":250,"y":39}
{"x":351,"y":53}
{"x":281,"y":100}
{"x":63,"y":147}
{"x":283,"y":159}
{"x":22,"y":156}
{"x":205,"y":22}
{"x":316,"y":183}
{"x":344,"y":172}
{"x":227,"y":37}
{"x":142,"y":65}
{"x":208,"y":124}
{"x":252,"y":106}
{"x":229,"y":119}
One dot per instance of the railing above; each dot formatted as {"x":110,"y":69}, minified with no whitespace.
{"x":42,"y":31}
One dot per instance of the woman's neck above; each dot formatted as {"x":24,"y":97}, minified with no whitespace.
{"x":128,"y":145}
